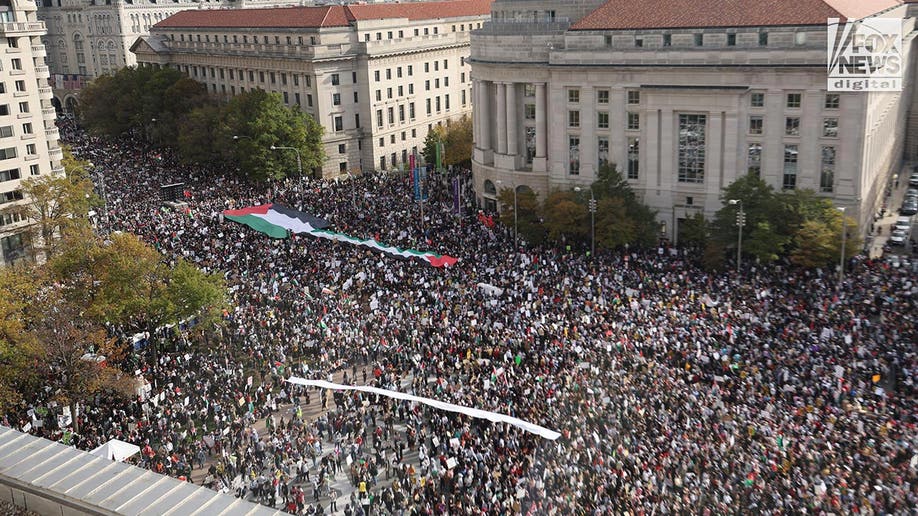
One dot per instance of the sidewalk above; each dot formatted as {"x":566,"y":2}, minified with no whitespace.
{"x":883,"y":225}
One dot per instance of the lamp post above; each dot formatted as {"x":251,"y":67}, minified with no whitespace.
{"x":299,"y":162}
{"x":592,"y":221}
{"x":844,"y":237}
{"x":740,"y":222}
{"x":515,"y":216}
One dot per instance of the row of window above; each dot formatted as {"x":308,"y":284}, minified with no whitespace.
{"x":602,"y":118}
{"x":14,"y":174}
{"x":756,"y":98}
{"x":633,"y":155}
{"x":23,"y":108}
{"x":792,"y":126}
{"x":698,"y":40}
{"x":602,"y":96}
{"x":382,"y":139}
{"x":691,"y":157}
{"x":418,"y":31}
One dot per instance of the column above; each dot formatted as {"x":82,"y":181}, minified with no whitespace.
{"x":476,"y":116}
{"x":484,"y":103}
{"x":501,"y":118}
{"x":540,"y":120}
{"x":512,"y":122}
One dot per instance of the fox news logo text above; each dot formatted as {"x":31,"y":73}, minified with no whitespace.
{"x":865,"y":55}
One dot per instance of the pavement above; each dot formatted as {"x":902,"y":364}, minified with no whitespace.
{"x":882,"y":227}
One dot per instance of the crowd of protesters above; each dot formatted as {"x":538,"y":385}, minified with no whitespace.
{"x":772,"y":390}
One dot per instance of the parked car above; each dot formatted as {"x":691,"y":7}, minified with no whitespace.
{"x":898,"y":237}
{"x":903,"y":223}
{"x":913,"y":180}
{"x":909,"y":208}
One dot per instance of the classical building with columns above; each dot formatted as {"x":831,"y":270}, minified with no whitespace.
{"x":377,"y":77}
{"x":684,"y":97}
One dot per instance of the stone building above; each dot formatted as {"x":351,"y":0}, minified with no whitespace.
{"x":28,"y":135}
{"x":88,"y":38}
{"x":684,"y":97}
{"x":377,"y":77}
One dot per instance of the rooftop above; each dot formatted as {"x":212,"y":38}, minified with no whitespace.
{"x":323,"y":17}
{"x":679,"y":14}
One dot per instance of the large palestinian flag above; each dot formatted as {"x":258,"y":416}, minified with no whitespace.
{"x":275,"y":220}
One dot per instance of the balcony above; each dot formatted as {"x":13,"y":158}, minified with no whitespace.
{"x":39,"y":51}
{"x":56,"y":154}
{"x":45,"y":92}
{"x":58,"y":171}
{"x":22,"y":28}
{"x":49,"y":112}
{"x":42,"y":71}
{"x":52,"y":134}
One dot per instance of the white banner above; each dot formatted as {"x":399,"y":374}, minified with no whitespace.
{"x":468,"y":411}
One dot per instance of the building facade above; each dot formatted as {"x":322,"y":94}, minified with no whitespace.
{"x":88,"y":38}
{"x":684,"y":98}
{"x":28,"y":134}
{"x":377,"y":77}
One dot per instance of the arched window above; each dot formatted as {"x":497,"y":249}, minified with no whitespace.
{"x":489,"y":187}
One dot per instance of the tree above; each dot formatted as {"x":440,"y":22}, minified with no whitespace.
{"x":818,"y":241}
{"x":198,"y":136}
{"x":78,"y":358}
{"x":458,"y":142}
{"x":565,"y":218}
{"x":528,"y":222}
{"x":764,"y":243}
{"x":815,"y":245}
{"x":18,"y":348}
{"x":261,"y":120}
{"x":434,"y":137}
{"x":54,"y":202}
{"x":132,"y":98}
{"x":126,"y":282}
{"x":637,"y":222}
{"x":759,"y":203}
{"x":693,"y":232}
{"x":614,"y":226}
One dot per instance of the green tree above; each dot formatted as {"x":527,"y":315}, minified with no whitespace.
{"x":615,"y":228}
{"x":435,"y":136}
{"x":693,"y":232}
{"x":198,"y":136}
{"x":132,"y":98}
{"x":638,"y":222}
{"x":565,"y":218}
{"x":763,"y":212}
{"x":528,"y":222}
{"x":261,"y":120}
{"x":763,"y":242}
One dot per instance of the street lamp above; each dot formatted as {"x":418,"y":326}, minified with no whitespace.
{"x":515,"y":216}
{"x":592,"y":221}
{"x":299,"y":162}
{"x":844,"y":235}
{"x":740,"y":222}
{"x":237,"y":137}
